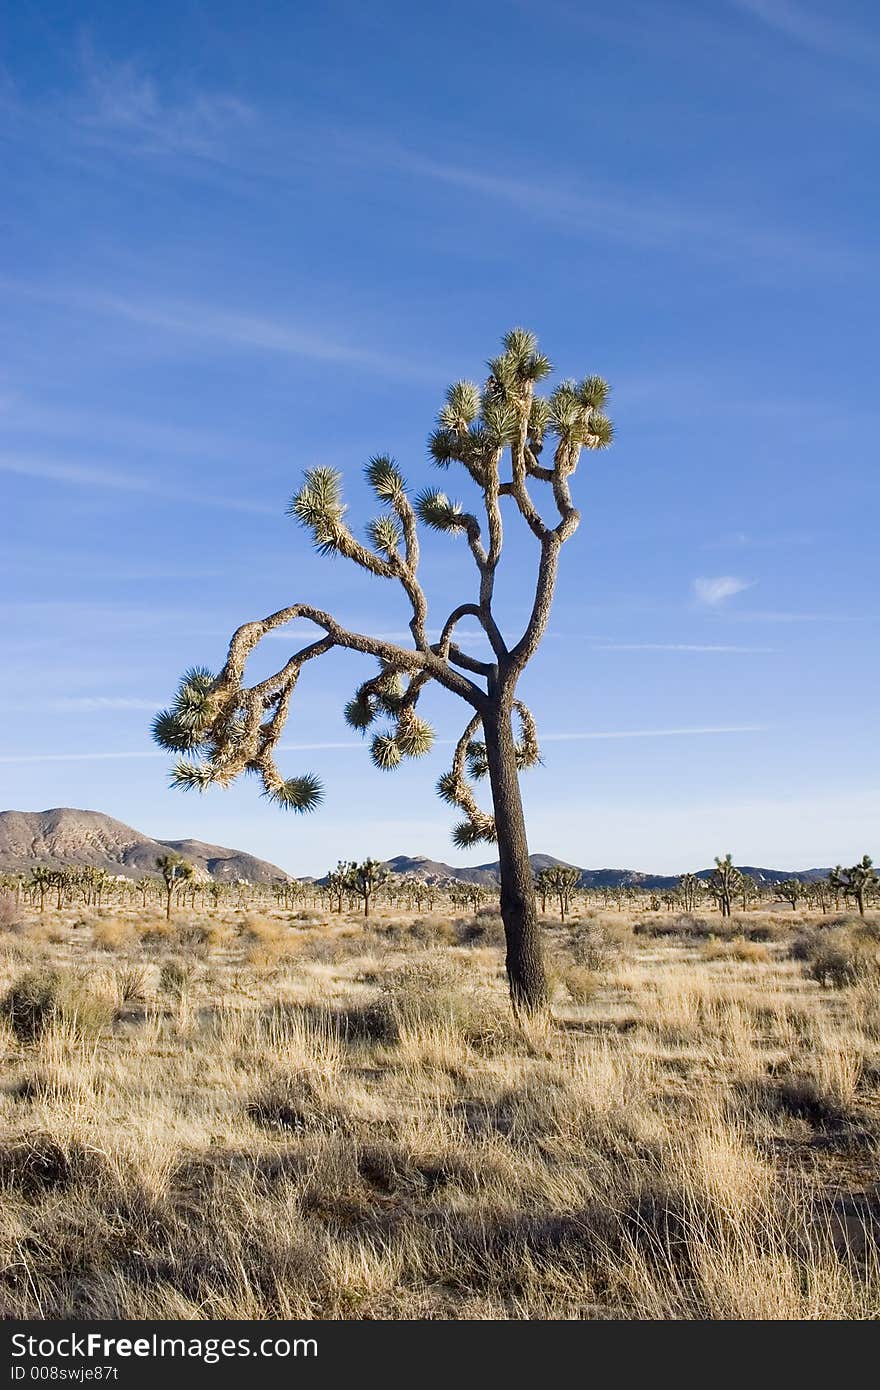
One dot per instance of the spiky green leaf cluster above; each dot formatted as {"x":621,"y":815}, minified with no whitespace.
{"x":385,"y":752}
{"x":414,"y":737}
{"x":181,"y":728}
{"x":192,"y":776}
{"x":477,"y":761}
{"x":573,"y":413}
{"x":300,"y":794}
{"x":385,"y":478}
{"x":434,"y":509}
{"x":385,"y":534}
{"x":462,"y":406}
{"x":319,"y":507}
{"x":467,"y":833}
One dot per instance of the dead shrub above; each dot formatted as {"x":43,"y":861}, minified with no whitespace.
{"x":40,"y":998}
{"x":110,"y":934}
{"x":581,"y":983}
{"x":842,"y":956}
{"x":750,"y":952}
{"x":177,"y":977}
{"x":10,"y":914}
{"x":485,"y":929}
{"x":37,"y":1162}
{"x":295,"y":1103}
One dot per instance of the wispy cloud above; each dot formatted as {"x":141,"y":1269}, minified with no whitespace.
{"x":230,"y":328}
{"x":713,"y":592}
{"x":123,"y":104}
{"x":576,"y":736}
{"x":96,"y":704}
{"x":614,"y":215}
{"x":77,"y":757}
{"x":123,"y":480}
{"x":680,"y":647}
{"x":827,"y":34}
{"x":697,"y":731}
{"x":759,"y":615}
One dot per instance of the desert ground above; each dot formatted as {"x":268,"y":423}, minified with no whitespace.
{"x":300,"y":1114}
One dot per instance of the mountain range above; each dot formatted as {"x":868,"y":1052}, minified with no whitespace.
{"x":64,"y":837}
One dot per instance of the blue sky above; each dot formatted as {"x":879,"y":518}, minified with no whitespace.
{"x":238,"y":241}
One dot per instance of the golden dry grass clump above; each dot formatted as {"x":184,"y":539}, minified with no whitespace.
{"x":281,"y":1116}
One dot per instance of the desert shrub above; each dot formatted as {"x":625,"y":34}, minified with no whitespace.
{"x":201,"y":937}
{"x":112,"y":935}
{"x":762,"y":928}
{"x":752,"y":952}
{"x":131,"y":985}
{"x":485,"y":929}
{"x":265,"y":942}
{"x":374,"y":1022}
{"x":580,"y":982}
{"x":842,"y":956}
{"x":306,"y":919}
{"x":40,"y":998}
{"x":682,"y":924}
{"x":595,"y":946}
{"x":10,"y":915}
{"x":38,"y":1162}
{"x":156,"y":934}
{"x":433,"y":931}
{"x":295,"y":1103}
{"x":176,"y":977}
{"x":437,"y":992}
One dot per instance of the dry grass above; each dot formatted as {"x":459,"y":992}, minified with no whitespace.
{"x":273,"y":1117}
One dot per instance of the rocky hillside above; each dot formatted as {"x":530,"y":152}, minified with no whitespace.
{"x":434,"y":870}
{"x":62,"y":837}
{"x":65,"y":836}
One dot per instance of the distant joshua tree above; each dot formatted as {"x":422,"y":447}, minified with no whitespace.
{"x":364,"y":880}
{"x":175,"y":871}
{"x":227,"y":728}
{"x":724,"y":883}
{"x":790,"y":890}
{"x":859,"y":882}
{"x":337,"y":884}
{"x":560,"y":881}
{"x":689,"y":888}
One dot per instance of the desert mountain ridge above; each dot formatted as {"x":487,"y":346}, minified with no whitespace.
{"x":64,"y":837}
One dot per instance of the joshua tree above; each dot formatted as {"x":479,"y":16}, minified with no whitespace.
{"x":790,"y":890}
{"x":337,"y":884}
{"x":175,"y":871}
{"x":364,"y":879}
{"x":724,"y":883}
{"x":689,"y":889}
{"x":748,"y":892}
{"x":227,"y":728}
{"x":42,"y":879}
{"x":542,"y":888}
{"x":560,"y":880}
{"x":859,"y":881}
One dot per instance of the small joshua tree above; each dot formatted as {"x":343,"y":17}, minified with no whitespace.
{"x":857,"y":882}
{"x":364,"y":880}
{"x":560,"y":880}
{"x":790,"y":890}
{"x":225,"y":727}
{"x":724,"y":883}
{"x":175,"y":871}
{"x":689,"y":889}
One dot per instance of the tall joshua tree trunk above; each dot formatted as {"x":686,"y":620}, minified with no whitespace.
{"x":519,"y":913}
